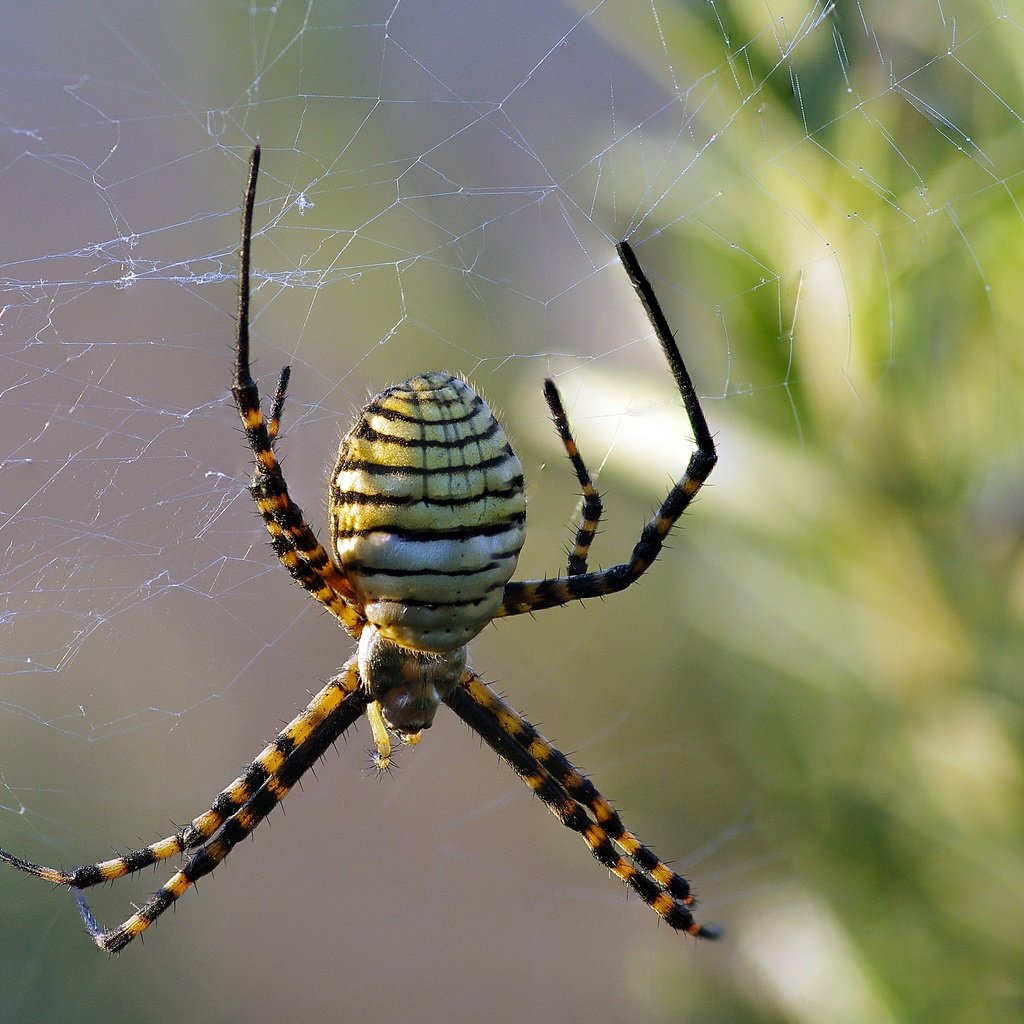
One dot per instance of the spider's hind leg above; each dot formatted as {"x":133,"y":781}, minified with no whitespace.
{"x":235,"y":813}
{"x":574,"y":800}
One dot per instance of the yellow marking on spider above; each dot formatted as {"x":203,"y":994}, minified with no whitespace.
{"x":335,"y":590}
{"x":298,"y":731}
{"x":251,"y":420}
{"x":381,"y":737}
{"x":208,"y":823}
{"x":276,"y":788}
{"x":169,"y":847}
{"x":664,"y":904}
{"x":623,"y":870}
{"x":240,"y":790}
{"x":178,"y":884}
{"x":272,"y":503}
{"x":246,"y":819}
{"x":540,"y":749}
{"x":663,"y":875}
{"x":264,"y":455}
{"x":508,"y":720}
{"x":52,"y":875}
{"x":111,"y":869}
{"x":133,"y":927}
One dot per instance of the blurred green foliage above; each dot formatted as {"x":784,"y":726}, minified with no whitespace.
{"x":876,"y":553}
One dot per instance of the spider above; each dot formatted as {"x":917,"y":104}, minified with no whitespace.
{"x":427,"y":518}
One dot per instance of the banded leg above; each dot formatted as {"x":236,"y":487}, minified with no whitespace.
{"x":235,"y":813}
{"x":532,"y":595}
{"x":568,"y":795}
{"x":294,"y":542}
{"x":590,"y":515}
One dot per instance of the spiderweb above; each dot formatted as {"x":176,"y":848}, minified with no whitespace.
{"x":812,"y":188}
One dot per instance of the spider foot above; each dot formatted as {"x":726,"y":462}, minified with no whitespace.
{"x":381,"y":764}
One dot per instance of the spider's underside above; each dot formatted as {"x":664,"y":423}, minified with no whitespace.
{"x":427,"y":518}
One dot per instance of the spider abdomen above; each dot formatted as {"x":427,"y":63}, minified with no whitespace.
{"x":428,"y":512}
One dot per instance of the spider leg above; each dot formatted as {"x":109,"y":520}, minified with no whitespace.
{"x":235,"y":813}
{"x":293,"y":541}
{"x":569,"y":795}
{"x":532,"y":595}
{"x":381,"y":738}
{"x":230,"y":799}
{"x":590,"y":515}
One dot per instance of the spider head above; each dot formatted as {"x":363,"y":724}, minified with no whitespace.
{"x":408,"y":684}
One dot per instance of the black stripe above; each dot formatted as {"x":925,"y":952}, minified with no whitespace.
{"x":376,"y":409}
{"x":83,"y":877}
{"x":156,"y":904}
{"x":365,"y":569}
{"x":365,"y":432}
{"x":362,"y":498}
{"x":284,"y":745}
{"x":459,"y":533}
{"x":139,"y":859}
{"x":380,"y":469}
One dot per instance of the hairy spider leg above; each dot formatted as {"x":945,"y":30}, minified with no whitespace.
{"x":532,"y":595}
{"x":297,"y":748}
{"x":296,"y":745}
{"x":230,"y":799}
{"x":293,"y":541}
{"x":242,"y":823}
{"x":590,"y":512}
{"x":568,"y":794}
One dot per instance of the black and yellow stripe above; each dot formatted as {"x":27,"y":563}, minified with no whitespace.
{"x":428,"y":512}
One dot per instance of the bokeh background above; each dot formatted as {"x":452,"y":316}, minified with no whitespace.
{"x":812,"y":703}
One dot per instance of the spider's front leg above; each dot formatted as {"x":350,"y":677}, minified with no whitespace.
{"x":293,"y":541}
{"x":590,"y":513}
{"x":532,"y":595}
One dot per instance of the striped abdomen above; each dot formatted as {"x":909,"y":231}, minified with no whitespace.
{"x":428,"y":512}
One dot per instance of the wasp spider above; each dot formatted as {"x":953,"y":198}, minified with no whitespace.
{"x":427,"y":518}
